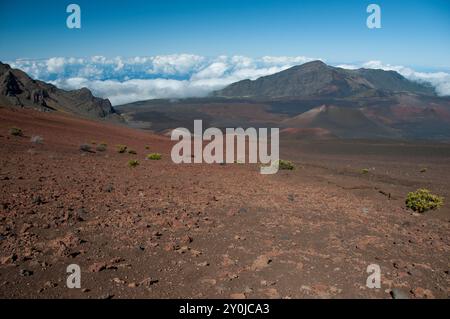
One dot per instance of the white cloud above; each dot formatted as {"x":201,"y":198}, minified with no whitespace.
{"x":55,"y":65}
{"x":440,"y":80}
{"x":124,"y":80}
{"x":214,"y":70}
{"x":175,"y":64}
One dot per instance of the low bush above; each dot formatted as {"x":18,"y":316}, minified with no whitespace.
{"x":121,"y":148}
{"x":422,"y":200}
{"x":15,"y":131}
{"x":285,"y":165}
{"x":133,"y":163}
{"x":154,"y":156}
{"x":132,"y":152}
{"x":365,"y":171}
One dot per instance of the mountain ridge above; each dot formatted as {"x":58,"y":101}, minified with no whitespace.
{"x":316,"y":78}
{"x":18,"y":89}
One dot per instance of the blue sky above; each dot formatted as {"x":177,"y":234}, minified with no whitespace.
{"x":135,"y":50}
{"x":414,"y":33}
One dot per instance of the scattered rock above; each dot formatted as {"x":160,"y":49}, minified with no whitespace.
{"x":108,"y":188}
{"x":50,"y":284}
{"x":97,"y":267}
{"x":186,"y":239}
{"x":26,"y":272}
{"x":118,"y":281}
{"x":208,"y":281}
{"x":422,"y":293}
{"x":37,"y":200}
{"x":148,"y":282}
{"x":272,"y":293}
{"x":8,"y":259}
{"x":261,"y":262}
{"x":397,"y":293}
{"x":203,"y":264}
{"x":238,"y":296}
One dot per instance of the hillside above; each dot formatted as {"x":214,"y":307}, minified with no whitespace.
{"x":17,"y":89}
{"x":318,"y":79}
{"x":165,"y":230}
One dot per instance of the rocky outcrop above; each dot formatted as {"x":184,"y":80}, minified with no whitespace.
{"x":17,"y":89}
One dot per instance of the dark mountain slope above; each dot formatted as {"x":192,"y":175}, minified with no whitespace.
{"x":318,"y":79}
{"x":18,"y":89}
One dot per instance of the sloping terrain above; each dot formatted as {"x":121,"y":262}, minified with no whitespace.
{"x":407,"y":116}
{"x":363,"y":103}
{"x":17,"y":89}
{"x":163,"y":230}
{"x":318,"y":79}
{"x":341,"y":121}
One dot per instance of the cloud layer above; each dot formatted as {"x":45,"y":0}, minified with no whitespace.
{"x":125,"y":80}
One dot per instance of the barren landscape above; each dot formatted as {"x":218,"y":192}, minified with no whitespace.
{"x":161,"y":230}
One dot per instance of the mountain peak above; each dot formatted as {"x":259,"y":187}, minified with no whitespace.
{"x":315,"y":63}
{"x":317,"y":79}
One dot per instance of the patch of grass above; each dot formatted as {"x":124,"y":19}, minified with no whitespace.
{"x":365,"y":171}
{"x":132,"y":152}
{"x":423,"y":170}
{"x":154,"y":156}
{"x":285,"y":165}
{"x":121,"y":148}
{"x":93,"y":142}
{"x":133,"y":163}
{"x":85,"y":148}
{"x":36,"y":139}
{"x":422,"y":200}
{"x":15,"y":131}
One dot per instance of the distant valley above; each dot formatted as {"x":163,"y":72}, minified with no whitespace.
{"x":312,"y":100}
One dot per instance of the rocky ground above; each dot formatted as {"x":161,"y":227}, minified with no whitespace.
{"x":161,"y":230}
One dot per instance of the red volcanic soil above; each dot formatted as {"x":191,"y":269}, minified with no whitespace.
{"x":306,"y":133}
{"x":162,"y":230}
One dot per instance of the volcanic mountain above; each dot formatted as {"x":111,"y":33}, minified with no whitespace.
{"x":19,"y":89}
{"x":316,"y":79}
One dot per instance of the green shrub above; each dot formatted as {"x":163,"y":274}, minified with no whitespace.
{"x":133,"y":163}
{"x":365,"y":171}
{"x":121,"y":148}
{"x":285,"y":165}
{"x":422,"y":200}
{"x":147,"y":147}
{"x":423,"y":170}
{"x":154,"y":156}
{"x":132,"y":152}
{"x":15,"y":131}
